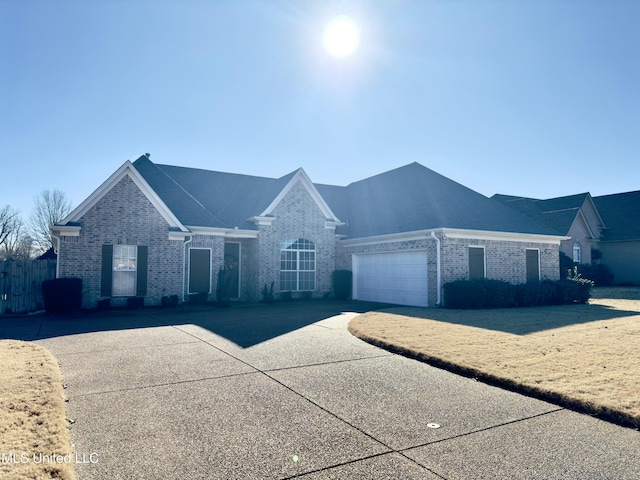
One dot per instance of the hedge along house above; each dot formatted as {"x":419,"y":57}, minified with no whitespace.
{"x":155,"y":230}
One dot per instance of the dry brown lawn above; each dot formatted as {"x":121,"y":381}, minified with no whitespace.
{"x":581,"y":356}
{"x":32,"y":414}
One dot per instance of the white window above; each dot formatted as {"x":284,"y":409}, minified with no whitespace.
{"x":297,"y":265}
{"x":125,"y":259}
{"x":577,"y":253}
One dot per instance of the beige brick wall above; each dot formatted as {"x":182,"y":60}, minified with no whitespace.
{"x":123,"y":216}
{"x":504,"y":260}
{"x":296,"y":216}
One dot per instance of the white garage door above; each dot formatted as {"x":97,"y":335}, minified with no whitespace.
{"x":397,"y":277}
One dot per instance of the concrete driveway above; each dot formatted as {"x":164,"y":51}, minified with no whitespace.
{"x":285,"y":391}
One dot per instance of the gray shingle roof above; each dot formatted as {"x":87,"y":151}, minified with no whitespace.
{"x":621,"y":214}
{"x":211,"y":199}
{"x":558,"y":213}
{"x":406,"y":199}
{"x":414,"y":197}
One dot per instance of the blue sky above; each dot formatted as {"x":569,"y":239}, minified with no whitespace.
{"x":538,"y":98}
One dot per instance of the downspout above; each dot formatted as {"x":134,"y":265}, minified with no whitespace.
{"x":184,"y":266}
{"x":438,"y":273}
{"x":57,"y":252}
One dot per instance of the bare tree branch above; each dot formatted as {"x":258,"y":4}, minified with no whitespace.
{"x":8,"y":222}
{"x":17,"y":244}
{"x":51,"y":206}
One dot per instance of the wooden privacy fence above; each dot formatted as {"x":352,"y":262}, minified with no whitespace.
{"x":21,"y":284}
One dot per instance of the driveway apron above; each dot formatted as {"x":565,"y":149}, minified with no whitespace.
{"x":209,"y":395}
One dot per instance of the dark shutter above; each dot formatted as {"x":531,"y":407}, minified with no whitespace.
{"x":476,"y":263}
{"x":107,"y":271}
{"x":199,"y":270}
{"x":143,"y":254}
{"x":533,"y":266}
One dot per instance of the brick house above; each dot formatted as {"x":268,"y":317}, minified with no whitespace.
{"x":575,"y":216}
{"x":608,"y":223}
{"x":156,"y":230}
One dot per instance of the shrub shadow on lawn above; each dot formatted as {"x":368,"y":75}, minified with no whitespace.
{"x":245,"y":324}
{"x":519,"y":321}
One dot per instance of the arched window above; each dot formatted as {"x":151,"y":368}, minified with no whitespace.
{"x":577,"y":253}
{"x":297,"y":265}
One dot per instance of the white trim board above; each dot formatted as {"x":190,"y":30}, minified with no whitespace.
{"x":302,"y":177}
{"x":127,"y":169}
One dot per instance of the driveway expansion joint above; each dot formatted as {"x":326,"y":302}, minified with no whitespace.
{"x":479,"y":430}
{"x":166,"y":384}
{"x":346,"y":360}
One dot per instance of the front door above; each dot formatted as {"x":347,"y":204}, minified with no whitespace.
{"x":232,"y":270}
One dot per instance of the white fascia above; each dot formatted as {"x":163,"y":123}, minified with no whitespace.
{"x":222,"y":232}
{"x":502,"y":236}
{"x":65,"y":230}
{"x":455,"y":233}
{"x":393,"y":237}
{"x":331,"y":225}
{"x":302,"y":177}
{"x":262,"y":220}
{"x":127,"y":169}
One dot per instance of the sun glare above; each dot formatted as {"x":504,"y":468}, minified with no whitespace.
{"x":341,"y":37}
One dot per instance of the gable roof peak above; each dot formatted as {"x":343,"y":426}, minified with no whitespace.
{"x":301,"y":176}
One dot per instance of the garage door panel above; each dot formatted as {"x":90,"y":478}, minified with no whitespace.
{"x":392,"y":277}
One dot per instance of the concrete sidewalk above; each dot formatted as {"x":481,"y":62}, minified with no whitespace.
{"x":175,"y":398}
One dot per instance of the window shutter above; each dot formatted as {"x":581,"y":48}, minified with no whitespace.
{"x":143,"y":253}
{"x":107,"y":271}
{"x":533,"y":268}
{"x":476,"y":263}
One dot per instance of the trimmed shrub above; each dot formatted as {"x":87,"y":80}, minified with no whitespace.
{"x":466,"y":294}
{"x":537,"y":294}
{"x":342,"y":282}
{"x":62,"y":295}
{"x":170,"y":301}
{"x":500,"y":294}
{"x":135,"y":302}
{"x":476,"y":294}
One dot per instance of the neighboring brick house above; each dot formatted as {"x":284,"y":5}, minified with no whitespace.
{"x":609,"y":223}
{"x":575,"y":216}
{"x":158,"y":230}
